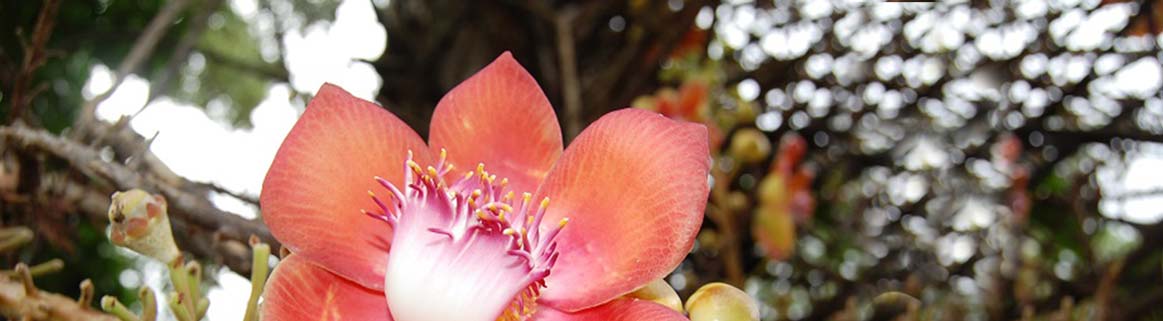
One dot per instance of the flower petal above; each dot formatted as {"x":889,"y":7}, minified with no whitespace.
{"x":617,"y":310}
{"x":634,"y":186}
{"x":501,"y":118}
{"x":320,"y":178}
{"x":301,"y":291}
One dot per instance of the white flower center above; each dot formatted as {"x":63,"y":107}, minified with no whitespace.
{"x":463,"y":251}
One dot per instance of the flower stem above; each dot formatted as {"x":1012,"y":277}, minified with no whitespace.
{"x":178,"y":307}
{"x":14,"y":237}
{"x":112,"y":305}
{"x":258,"y":277}
{"x":183,"y":301}
{"x":194,"y":290}
{"x":148,"y":304}
{"x":203,"y":305}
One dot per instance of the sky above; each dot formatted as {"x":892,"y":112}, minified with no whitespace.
{"x":201,"y":148}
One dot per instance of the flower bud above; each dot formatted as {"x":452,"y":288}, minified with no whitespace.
{"x":749,"y":145}
{"x":774,"y":231}
{"x":138,"y":221}
{"x":772,"y":190}
{"x":659,"y":292}
{"x":721,"y":302}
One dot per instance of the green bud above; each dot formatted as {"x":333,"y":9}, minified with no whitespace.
{"x":138,"y":221}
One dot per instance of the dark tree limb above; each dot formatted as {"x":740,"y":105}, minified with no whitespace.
{"x":219,"y":235}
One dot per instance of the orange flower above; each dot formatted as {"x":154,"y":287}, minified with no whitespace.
{"x":479,"y":245}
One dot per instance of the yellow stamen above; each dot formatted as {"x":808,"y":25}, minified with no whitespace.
{"x":415,"y":167}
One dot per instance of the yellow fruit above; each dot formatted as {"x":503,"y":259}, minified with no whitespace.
{"x":749,"y":145}
{"x":721,"y":302}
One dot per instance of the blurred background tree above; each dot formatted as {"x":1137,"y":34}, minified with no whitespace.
{"x":995,"y":160}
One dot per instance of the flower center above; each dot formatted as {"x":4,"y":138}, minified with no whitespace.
{"x":466,"y":250}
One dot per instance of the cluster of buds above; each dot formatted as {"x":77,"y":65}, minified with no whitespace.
{"x":139,"y":221}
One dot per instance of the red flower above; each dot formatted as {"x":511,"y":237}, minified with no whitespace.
{"x":458,"y":245}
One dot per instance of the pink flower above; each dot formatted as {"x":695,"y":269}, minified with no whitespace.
{"x":479,"y":232}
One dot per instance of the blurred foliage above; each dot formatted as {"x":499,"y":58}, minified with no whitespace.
{"x":949,"y":165}
{"x":223,"y":69}
{"x":215,"y":80}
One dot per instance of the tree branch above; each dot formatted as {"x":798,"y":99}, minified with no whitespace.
{"x":219,"y":235}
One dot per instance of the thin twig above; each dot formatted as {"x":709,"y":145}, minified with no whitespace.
{"x":724,"y":218}
{"x":34,"y":57}
{"x":251,"y":199}
{"x":571,"y":87}
{"x":1105,"y":290}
